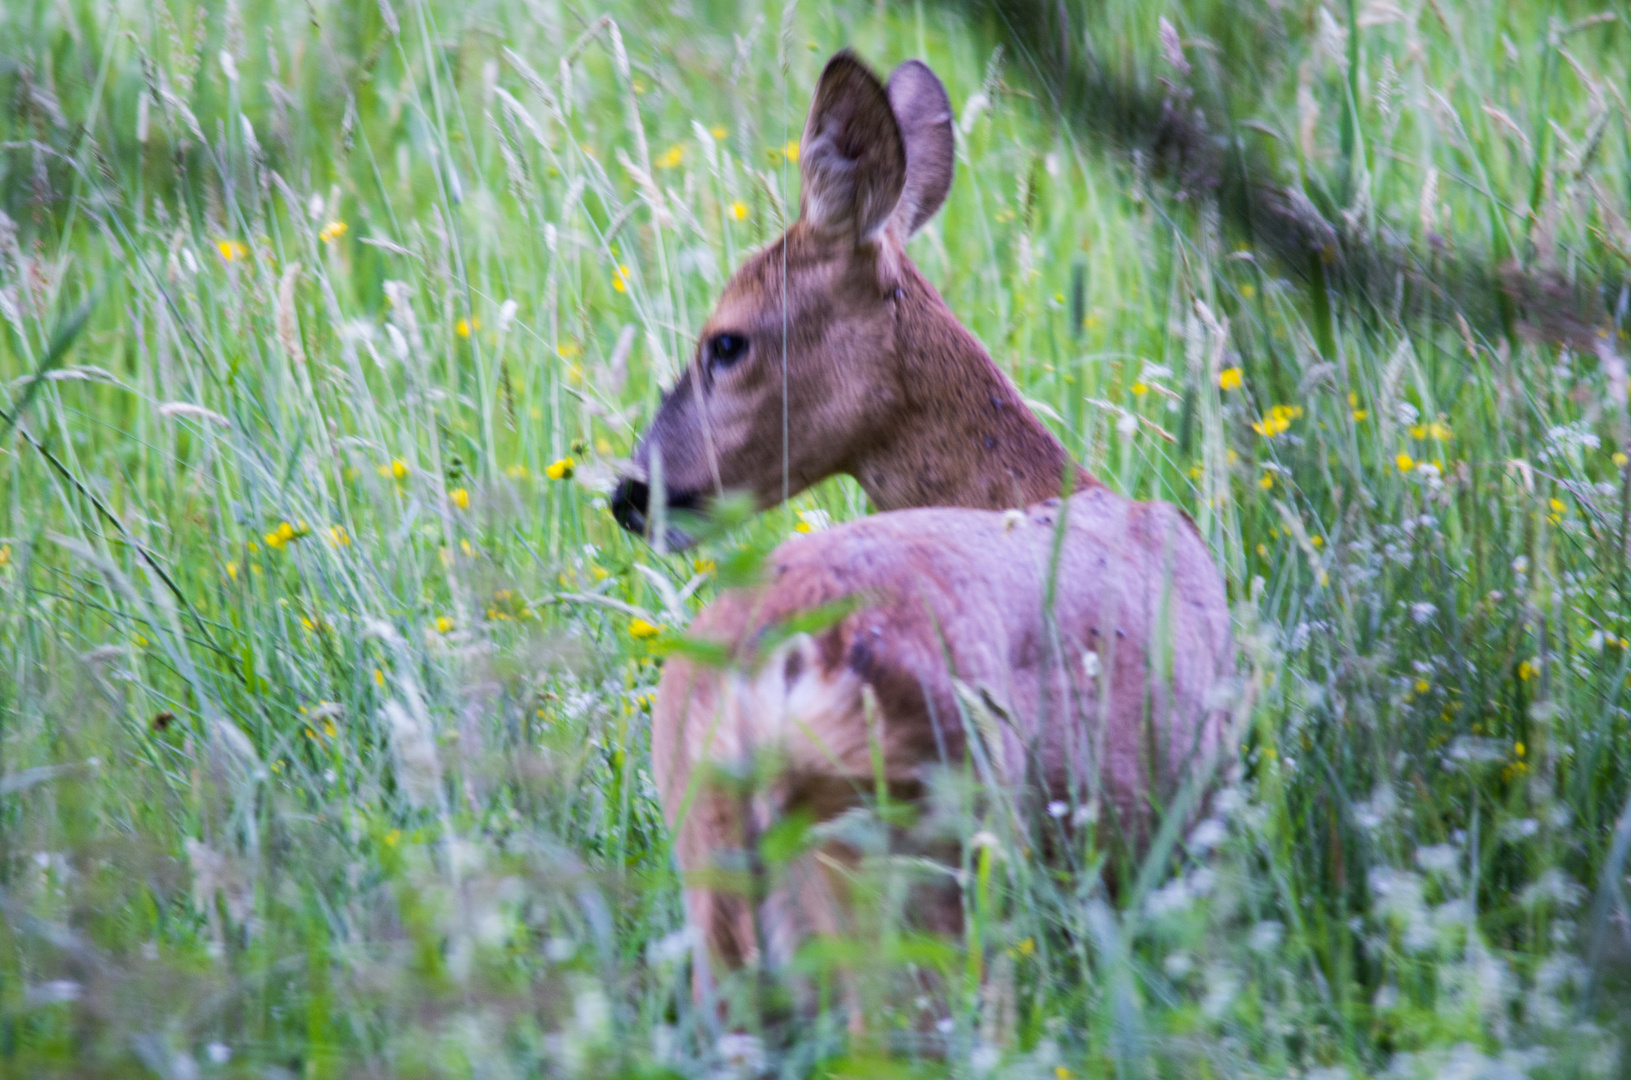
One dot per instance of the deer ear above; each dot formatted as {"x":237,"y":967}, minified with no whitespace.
{"x":923,"y":114}
{"x":852,"y":163}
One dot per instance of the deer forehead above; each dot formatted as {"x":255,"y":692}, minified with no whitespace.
{"x":807,"y":273}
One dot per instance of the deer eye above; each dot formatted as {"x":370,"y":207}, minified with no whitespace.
{"x":726,"y":349}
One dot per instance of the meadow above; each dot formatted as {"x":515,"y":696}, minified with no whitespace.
{"x":326,"y":675}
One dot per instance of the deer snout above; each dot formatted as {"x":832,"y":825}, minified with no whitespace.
{"x":629,"y":504}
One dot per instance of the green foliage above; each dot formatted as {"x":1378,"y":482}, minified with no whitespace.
{"x":325,"y":674}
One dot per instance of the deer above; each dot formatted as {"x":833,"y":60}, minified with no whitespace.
{"x":1094,"y":628}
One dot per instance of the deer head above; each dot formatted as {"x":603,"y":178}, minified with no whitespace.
{"x":829,"y":353}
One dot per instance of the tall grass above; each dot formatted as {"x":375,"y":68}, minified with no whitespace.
{"x":327,"y":673}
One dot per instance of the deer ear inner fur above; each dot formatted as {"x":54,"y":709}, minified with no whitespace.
{"x":852,"y":161}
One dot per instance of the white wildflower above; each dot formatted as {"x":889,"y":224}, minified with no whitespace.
{"x":1170,"y":899}
{"x":506,"y":315}
{"x":1266,"y":936}
{"x":1207,"y":835}
{"x":1438,"y":859}
{"x":1553,"y":887}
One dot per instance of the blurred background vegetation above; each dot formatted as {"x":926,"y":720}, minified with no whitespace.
{"x":325,"y":674}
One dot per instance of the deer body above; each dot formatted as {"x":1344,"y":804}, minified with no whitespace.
{"x":1106,"y":691}
{"x":951,"y":596}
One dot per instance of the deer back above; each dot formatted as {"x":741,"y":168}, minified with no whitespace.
{"x":952,"y":617}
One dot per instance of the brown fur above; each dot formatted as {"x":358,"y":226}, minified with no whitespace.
{"x":949,"y":594}
{"x":883,"y":383}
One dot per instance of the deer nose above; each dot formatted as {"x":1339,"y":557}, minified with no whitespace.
{"x":629,"y":505}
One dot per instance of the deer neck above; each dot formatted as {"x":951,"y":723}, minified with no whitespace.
{"x":962,"y":435}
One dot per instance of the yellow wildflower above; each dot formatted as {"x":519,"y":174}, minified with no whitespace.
{"x":704,"y":566}
{"x":620,"y":279}
{"x":393,"y":838}
{"x":1139,"y":389}
{"x":465,"y":327}
{"x":566,"y":350}
{"x":802,"y":527}
{"x":443,"y":624}
{"x":1229,"y":379}
{"x":232,"y":570}
{"x":791,"y":151}
{"x":332,"y":232}
{"x":561,"y":469}
{"x":672,"y":157}
{"x":1266,"y":481}
{"x":231,"y":250}
{"x":379,"y":677}
{"x":280,"y":536}
{"x":738,"y":211}
{"x":1404,"y":461}
{"x":1619,"y":459}
{"x":516,"y":472}
{"x":1439,"y":431}
{"x":1527,"y":671}
{"x":1277,"y":420}
{"x":602,"y":446}
{"x":469,"y":552}
{"x":1248,"y":290}
{"x":640,"y":630}
{"x":1422,"y":686}
{"x":339,"y":536}
{"x":718,"y":131}
{"x":1418,"y":431}
{"x":1518,"y":749}
{"x":460,"y":498}
{"x":5,"y":554}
